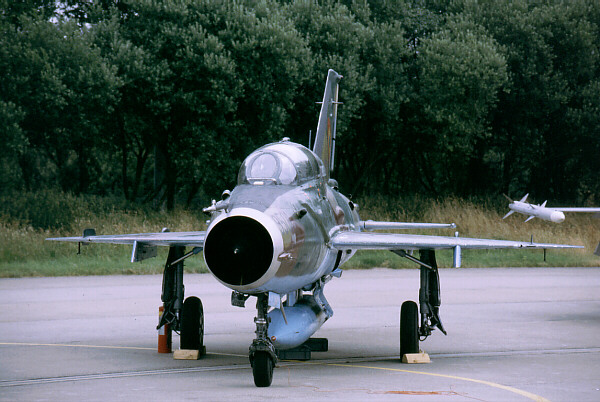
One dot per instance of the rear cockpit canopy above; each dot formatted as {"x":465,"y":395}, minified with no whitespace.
{"x":284,"y":163}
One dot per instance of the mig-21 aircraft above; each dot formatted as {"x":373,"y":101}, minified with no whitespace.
{"x":280,"y":235}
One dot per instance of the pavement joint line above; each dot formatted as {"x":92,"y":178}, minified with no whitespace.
{"x":454,"y":355}
{"x":518,"y":352}
{"x":124,"y":374}
{"x":346,"y":359}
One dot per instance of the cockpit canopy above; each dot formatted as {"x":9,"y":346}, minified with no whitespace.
{"x":284,"y":162}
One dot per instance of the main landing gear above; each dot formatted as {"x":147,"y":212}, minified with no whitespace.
{"x":429,"y":304}
{"x":183,"y":316}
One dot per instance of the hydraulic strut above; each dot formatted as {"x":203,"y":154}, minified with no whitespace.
{"x":173,"y":289}
{"x":262,"y":343}
{"x":429,"y":295}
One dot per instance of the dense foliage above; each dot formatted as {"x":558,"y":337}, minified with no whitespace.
{"x":162,"y":99}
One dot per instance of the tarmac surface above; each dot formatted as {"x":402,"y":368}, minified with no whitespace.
{"x":514,"y":334}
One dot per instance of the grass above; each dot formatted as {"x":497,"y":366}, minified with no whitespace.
{"x":25,"y":224}
{"x":24,"y":251}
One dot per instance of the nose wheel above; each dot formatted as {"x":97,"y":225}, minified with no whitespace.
{"x":262,"y":369}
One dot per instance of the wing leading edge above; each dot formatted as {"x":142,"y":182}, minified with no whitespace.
{"x":187,"y":239}
{"x":401,"y":241}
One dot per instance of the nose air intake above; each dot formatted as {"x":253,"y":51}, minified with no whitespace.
{"x":238,"y":250}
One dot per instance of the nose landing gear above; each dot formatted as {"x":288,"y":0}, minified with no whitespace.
{"x":262,"y":352}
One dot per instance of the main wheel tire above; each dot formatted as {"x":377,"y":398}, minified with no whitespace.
{"x":409,"y":328}
{"x":262,"y":369}
{"x":192,"y":324}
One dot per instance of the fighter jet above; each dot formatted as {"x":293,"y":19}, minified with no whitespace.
{"x":281,"y":235}
{"x":554,"y":214}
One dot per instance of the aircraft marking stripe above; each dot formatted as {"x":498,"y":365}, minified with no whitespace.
{"x":526,"y":394}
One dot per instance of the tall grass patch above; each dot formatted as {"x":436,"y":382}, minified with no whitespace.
{"x":25,"y":221}
{"x":24,"y":251}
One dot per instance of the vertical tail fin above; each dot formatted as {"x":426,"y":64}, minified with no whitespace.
{"x":325,"y":139}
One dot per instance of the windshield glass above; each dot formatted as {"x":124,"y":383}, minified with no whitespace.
{"x":263,"y":166}
{"x":269,"y":167}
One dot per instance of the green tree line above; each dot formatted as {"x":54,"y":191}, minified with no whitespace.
{"x":162,"y":99}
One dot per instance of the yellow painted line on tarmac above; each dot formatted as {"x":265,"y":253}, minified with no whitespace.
{"x":69,"y":345}
{"x":526,"y":394}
